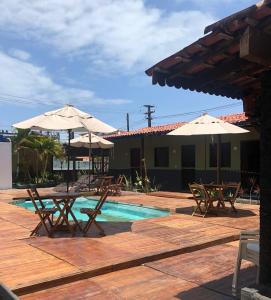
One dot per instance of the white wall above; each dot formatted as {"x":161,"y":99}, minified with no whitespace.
{"x":5,"y":166}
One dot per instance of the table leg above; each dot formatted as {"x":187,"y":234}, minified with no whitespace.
{"x":62,"y":215}
{"x":73,"y":216}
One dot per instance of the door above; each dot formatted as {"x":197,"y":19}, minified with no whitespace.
{"x":134,"y":162}
{"x":250,"y":162}
{"x":188,"y":162}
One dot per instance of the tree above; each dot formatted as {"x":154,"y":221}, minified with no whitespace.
{"x":43,"y":147}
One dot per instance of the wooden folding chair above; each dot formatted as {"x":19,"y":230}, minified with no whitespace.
{"x":201,"y":197}
{"x":115,"y":188}
{"x":230,"y":194}
{"x":92,"y":213}
{"x":43,"y":212}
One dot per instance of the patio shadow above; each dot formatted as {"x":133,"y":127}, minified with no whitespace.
{"x":221,"y":288}
{"x":219,"y":212}
{"x":110,"y":228}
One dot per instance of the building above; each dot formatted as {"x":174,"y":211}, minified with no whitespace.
{"x":233,"y":60}
{"x":174,"y":161}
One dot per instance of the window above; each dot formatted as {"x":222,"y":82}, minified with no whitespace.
{"x":161,"y":157}
{"x":225,"y":155}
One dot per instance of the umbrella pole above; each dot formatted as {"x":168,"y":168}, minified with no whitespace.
{"x":89,"y":156}
{"x":68,"y":168}
{"x":218,"y":164}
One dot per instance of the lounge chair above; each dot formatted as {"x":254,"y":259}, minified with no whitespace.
{"x":248,"y":250}
{"x":204,"y":201}
{"x":92,"y":213}
{"x":82,"y":181}
{"x":115,"y":188}
{"x":45,"y":214}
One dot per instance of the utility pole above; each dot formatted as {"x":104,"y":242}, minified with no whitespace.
{"x":149,"y":113}
{"x":128,"y":122}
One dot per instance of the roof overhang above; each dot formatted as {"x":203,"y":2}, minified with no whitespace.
{"x":228,"y":61}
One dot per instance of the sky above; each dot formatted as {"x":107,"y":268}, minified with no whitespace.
{"x":93,"y":54}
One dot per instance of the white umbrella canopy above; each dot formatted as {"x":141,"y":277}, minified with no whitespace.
{"x":66,"y":118}
{"x":96,"y":142}
{"x":208,"y":125}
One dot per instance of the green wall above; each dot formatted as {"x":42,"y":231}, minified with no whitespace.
{"x":120,"y":158}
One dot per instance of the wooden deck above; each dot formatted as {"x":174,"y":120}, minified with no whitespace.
{"x":191,"y":248}
{"x":203,"y":274}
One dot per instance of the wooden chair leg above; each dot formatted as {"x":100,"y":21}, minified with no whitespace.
{"x":46,"y":217}
{"x":87,"y":226}
{"x":99,"y":227}
{"x":232,"y":207}
{"x":36,"y":229}
{"x":198,"y":203}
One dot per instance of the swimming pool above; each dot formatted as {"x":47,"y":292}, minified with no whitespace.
{"x":111,"y":211}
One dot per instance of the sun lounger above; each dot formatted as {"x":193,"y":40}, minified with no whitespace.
{"x":82,"y":181}
{"x":92,"y":213}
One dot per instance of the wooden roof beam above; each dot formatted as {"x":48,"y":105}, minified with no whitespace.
{"x":255,"y":46}
{"x":221,"y":48}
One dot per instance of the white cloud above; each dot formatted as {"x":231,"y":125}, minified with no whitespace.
{"x":125,"y":34}
{"x":217,"y":4}
{"x":33,"y":86}
{"x":20,"y":54}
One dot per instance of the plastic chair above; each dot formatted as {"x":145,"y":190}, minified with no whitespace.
{"x":249,"y":250}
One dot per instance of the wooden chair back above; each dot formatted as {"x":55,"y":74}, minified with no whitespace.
{"x":32,"y":197}
{"x":231,"y":190}
{"x":99,"y":205}
{"x":199,"y":192}
{"x":34,"y":194}
{"x":120,"y":179}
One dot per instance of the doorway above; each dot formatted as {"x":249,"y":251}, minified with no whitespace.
{"x":188,"y":162}
{"x":250,"y":163}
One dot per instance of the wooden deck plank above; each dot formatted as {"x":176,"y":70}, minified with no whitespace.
{"x":135,"y":283}
{"x":28,"y":272}
{"x":211,"y":268}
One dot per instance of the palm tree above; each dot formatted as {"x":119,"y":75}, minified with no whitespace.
{"x":43,"y":147}
{"x":48,"y":146}
{"x":16,"y":140}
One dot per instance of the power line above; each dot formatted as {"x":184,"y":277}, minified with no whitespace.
{"x":197,"y":111}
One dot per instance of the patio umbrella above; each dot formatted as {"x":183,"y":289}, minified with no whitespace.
{"x":91,"y":141}
{"x":96,"y":142}
{"x":208,"y":125}
{"x":66,"y":118}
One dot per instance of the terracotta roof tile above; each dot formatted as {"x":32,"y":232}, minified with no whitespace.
{"x":164,"y":129}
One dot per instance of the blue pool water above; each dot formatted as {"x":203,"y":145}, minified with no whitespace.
{"x":111,"y":211}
